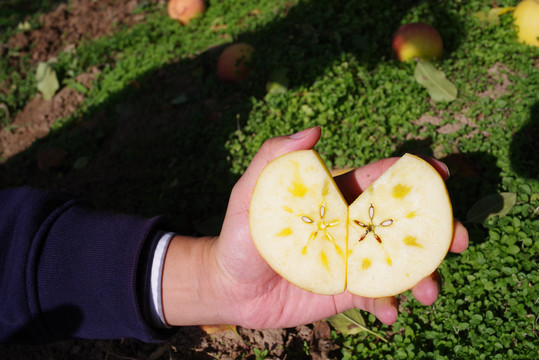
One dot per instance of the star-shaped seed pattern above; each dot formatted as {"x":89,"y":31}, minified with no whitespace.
{"x":371,"y":226}
{"x":321,"y":226}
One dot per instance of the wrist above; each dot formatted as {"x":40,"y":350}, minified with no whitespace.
{"x":190,"y":292}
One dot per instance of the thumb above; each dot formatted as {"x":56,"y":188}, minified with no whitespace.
{"x":275,"y":147}
{"x":236,"y":225}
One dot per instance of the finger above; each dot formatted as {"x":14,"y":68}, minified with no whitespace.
{"x":438,"y":165}
{"x":427,"y":290}
{"x":275,"y":147}
{"x":460,"y":238}
{"x":353,"y":183}
{"x":385,"y":309}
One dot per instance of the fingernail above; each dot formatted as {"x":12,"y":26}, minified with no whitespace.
{"x":302,"y":133}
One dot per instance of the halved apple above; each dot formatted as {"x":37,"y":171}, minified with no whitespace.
{"x":392,"y":236}
{"x":400,"y":229}
{"x":299,"y":222}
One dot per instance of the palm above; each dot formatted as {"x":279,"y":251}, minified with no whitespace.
{"x":265,"y":299}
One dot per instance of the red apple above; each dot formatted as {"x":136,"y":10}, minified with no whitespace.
{"x":417,"y":40}
{"x":233,"y":64}
{"x":185,"y":10}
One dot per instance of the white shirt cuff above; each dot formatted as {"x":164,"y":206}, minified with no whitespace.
{"x":156,"y":280}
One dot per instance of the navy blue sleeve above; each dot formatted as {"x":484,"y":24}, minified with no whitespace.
{"x":69,"y":271}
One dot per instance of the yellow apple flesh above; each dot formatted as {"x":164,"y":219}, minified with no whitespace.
{"x":392,"y":236}
{"x":298,"y":221}
{"x":400,"y":229}
{"x":526,"y":18}
{"x":417,"y":40}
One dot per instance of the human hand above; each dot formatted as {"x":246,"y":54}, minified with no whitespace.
{"x":246,"y":291}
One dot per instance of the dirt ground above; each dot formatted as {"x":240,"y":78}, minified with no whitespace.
{"x":63,"y":28}
{"x":192,"y":343}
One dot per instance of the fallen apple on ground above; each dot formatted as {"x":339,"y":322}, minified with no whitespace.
{"x":417,"y":40}
{"x":392,"y":236}
{"x":185,"y":10}
{"x":526,"y":18}
{"x":234,"y":64}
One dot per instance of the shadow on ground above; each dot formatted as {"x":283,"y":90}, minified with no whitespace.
{"x":525,"y":147}
{"x":146,"y":152}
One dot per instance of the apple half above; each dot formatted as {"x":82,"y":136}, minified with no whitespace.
{"x":393,"y":235}
{"x":400,"y":229}
{"x":299,"y":222}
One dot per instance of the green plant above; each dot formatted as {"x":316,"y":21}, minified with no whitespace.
{"x":260,"y":354}
{"x":306,"y":348}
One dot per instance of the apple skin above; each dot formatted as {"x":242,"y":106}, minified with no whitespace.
{"x":233,"y":64}
{"x":417,"y":40}
{"x":526,"y":18}
{"x":185,"y":10}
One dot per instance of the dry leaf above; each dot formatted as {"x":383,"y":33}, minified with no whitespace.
{"x":351,"y":322}
{"x":322,"y":330}
{"x":490,"y":206}
{"x":46,"y":80}
{"x":492,"y":16}
{"x":278,"y":81}
{"x":215,"y":329}
{"x":435,"y":81}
